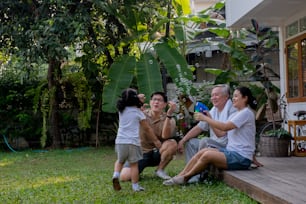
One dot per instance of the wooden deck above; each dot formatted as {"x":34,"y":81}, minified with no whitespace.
{"x":280,"y":180}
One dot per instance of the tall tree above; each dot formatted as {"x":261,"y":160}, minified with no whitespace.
{"x":42,"y":30}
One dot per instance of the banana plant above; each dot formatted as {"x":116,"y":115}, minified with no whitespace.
{"x":144,"y":64}
{"x":147,"y":72}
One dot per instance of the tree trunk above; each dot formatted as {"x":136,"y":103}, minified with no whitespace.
{"x":53,"y":76}
{"x":97,"y":124}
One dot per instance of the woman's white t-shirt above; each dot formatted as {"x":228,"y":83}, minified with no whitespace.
{"x":242,"y":138}
{"x":129,"y":123}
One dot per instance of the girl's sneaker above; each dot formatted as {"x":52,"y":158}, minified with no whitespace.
{"x":116,"y":184}
{"x":139,"y":188}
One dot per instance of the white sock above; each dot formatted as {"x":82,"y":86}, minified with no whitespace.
{"x":135,"y":185}
{"x":116,"y":174}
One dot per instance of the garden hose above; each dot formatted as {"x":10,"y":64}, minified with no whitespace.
{"x":7,"y":144}
{"x":40,"y":151}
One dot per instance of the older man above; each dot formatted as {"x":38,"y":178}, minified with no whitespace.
{"x":222,"y":109}
{"x":164,"y":127}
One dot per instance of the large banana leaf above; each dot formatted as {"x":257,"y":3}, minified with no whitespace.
{"x":121,"y":75}
{"x":185,"y":6}
{"x":177,"y":67}
{"x":148,"y":75}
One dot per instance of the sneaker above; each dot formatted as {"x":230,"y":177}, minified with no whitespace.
{"x":116,"y":184}
{"x":138,"y":189}
{"x":194,"y":179}
{"x":204,"y":175}
{"x":161,"y":174}
{"x":177,"y":180}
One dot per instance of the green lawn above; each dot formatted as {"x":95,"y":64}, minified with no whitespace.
{"x":84,"y":176}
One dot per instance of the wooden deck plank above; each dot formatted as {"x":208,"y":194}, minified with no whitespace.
{"x":281,"y":180}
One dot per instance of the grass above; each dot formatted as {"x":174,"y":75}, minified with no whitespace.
{"x":84,"y":176}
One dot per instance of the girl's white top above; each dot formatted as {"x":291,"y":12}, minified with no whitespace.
{"x":129,"y":123}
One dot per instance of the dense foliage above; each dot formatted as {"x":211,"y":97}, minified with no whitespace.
{"x":111,"y":41}
{"x":64,"y":63}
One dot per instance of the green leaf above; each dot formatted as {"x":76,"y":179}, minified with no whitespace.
{"x":225,"y":77}
{"x":120,"y":75}
{"x":224,"y":47}
{"x":148,"y":75}
{"x":219,"y":5}
{"x":158,"y":26}
{"x":222,"y":76}
{"x":213,"y":71}
{"x":176,"y":66}
{"x":280,"y":133}
{"x":222,"y":32}
{"x":179,"y":32}
{"x":185,"y":6}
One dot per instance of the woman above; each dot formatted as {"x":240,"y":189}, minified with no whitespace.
{"x":240,"y":148}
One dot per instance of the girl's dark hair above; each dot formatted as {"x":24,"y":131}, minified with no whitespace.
{"x":251,"y":99}
{"x":129,"y":97}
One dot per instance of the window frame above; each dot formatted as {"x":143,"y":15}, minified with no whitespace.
{"x":300,"y":97}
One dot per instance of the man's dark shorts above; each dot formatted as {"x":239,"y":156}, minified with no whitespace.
{"x":151,"y":159}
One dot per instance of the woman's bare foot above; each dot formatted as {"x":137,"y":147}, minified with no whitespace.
{"x":257,"y":163}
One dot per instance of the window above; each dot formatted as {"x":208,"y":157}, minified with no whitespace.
{"x":296,"y":69}
{"x":302,"y":24}
{"x":292,"y":29}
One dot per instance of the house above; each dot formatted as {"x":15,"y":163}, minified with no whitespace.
{"x":200,"y":5}
{"x":204,"y":52}
{"x":289,"y":17}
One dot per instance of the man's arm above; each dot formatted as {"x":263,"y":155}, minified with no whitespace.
{"x":224,"y":126}
{"x":218,"y":132}
{"x":168,"y":128}
{"x":169,"y":123}
{"x":194,"y":132}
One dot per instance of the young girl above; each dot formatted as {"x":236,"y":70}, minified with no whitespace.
{"x":127,"y":140}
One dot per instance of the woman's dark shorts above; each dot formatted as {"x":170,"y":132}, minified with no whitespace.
{"x":235,"y":161}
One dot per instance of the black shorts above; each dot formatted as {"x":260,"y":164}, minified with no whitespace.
{"x":151,"y":159}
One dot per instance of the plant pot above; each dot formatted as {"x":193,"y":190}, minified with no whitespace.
{"x":274,"y":146}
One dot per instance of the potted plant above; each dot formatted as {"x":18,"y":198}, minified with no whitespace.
{"x":273,"y":139}
{"x":275,"y":143}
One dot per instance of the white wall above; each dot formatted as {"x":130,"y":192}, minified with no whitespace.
{"x":236,"y":9}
